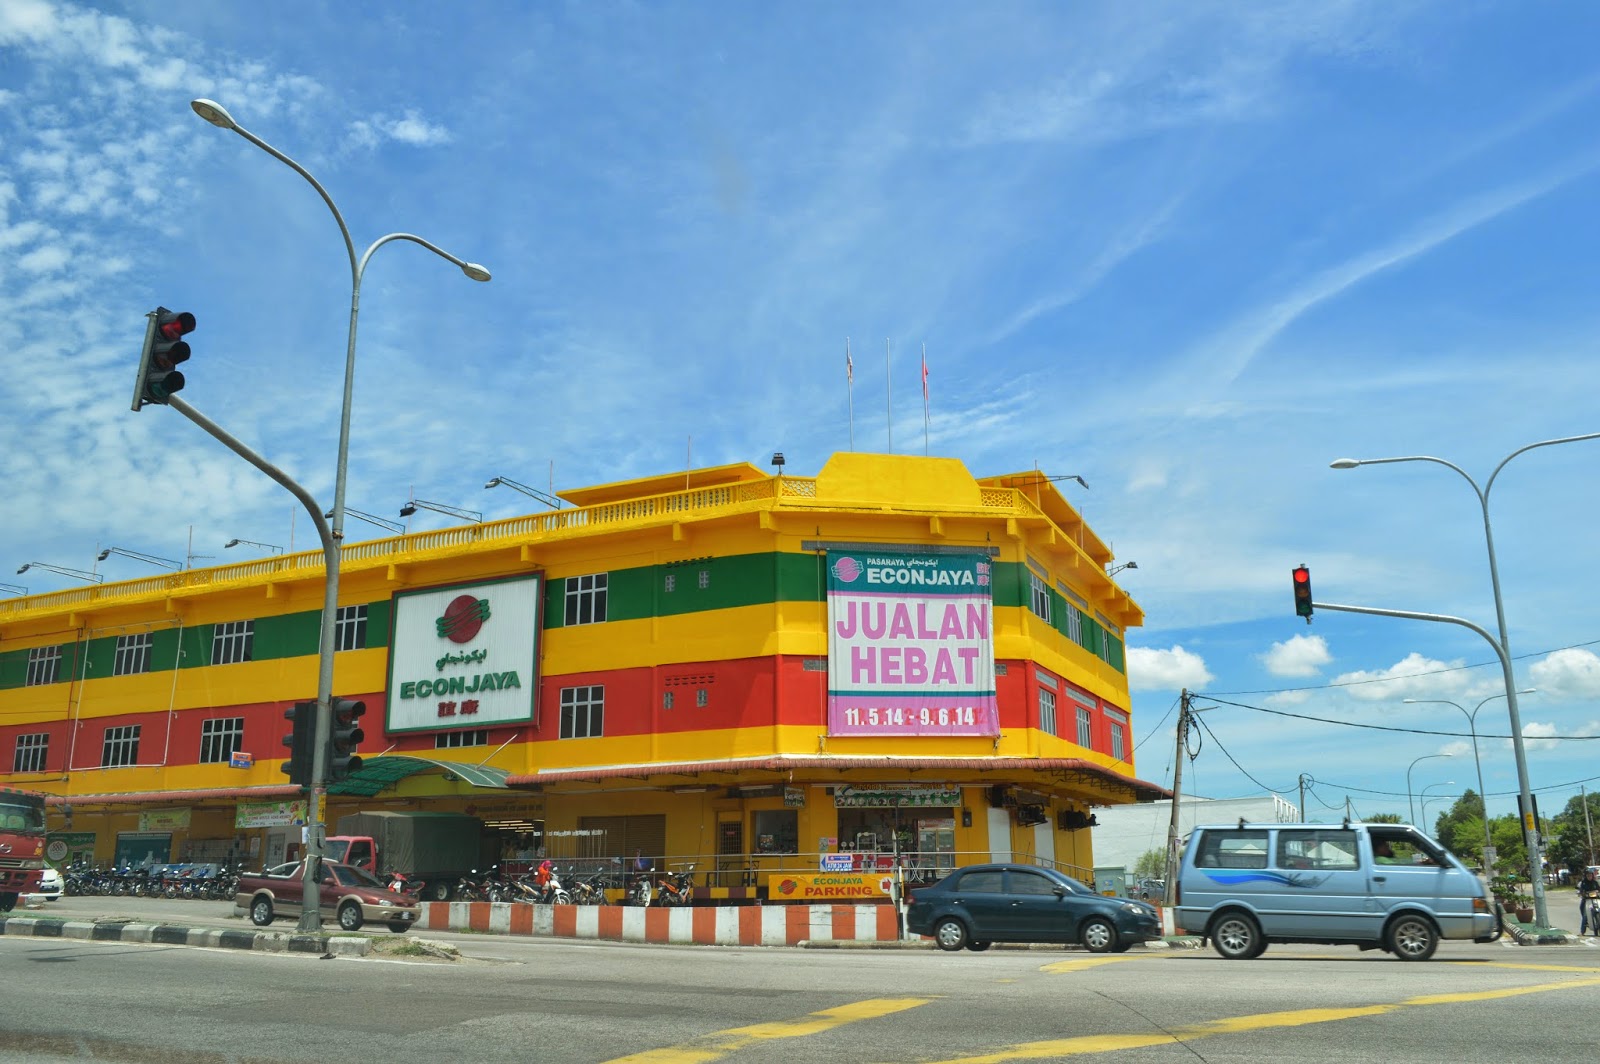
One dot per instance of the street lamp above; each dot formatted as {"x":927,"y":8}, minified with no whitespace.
{"x":1530,"y":826}
{"x":1472,"y":726}
{"x":440,"y":508}
{"x":13,"y":589}
{"x":149,"y":558}
{"x":1424,"y":802}
{"x":549,"y":500}
{"x":217,"y":115}
{"x":273,"y":547}
{"x":381,"y":522}
{"x":1115,"y":569}
{"x":93,"y":578}
{"x":1410,"y":805}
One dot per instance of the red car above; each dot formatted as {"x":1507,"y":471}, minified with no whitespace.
{"x":349,"y":894}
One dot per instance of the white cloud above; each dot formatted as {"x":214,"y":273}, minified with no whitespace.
{"x":410,"y":129}
{"x":1536,"y":735}
{"x":1165,"y":670}
{"x":1412,"y":677}
{"x":1301,"y":655}
{"x":1569,"y":673}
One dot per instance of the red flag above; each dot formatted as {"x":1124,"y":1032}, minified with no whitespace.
{"x":849,"y":367}
{"x":924,"y":376}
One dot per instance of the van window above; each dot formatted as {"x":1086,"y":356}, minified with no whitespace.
{"x":1233,"y":849}
{"x":1327,"y":849}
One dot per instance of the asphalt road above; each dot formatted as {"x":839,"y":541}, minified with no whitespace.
{"x":582,"y":1002}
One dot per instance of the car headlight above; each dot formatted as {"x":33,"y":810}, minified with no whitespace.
{"x":1134,"y":907}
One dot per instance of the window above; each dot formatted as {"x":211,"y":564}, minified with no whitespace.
{"x":704,"y":579}
{"x":672,"y":582}
{"x":702,"y":697}
{"x":350,"y":628}
{"x":121,"y":746}
{"x":666,"y":699}
{"x":133,"y":654}
{"x":583,"y":711}
{"x":586,"y":599}
{"x":988,"y":882}
{"x":1233,"y":849}
{"x":1074,"y":624}
{"x":777,"y":831}
{"x":44,"y":666}
{"x":1085,"y":728}
{"x":1119,"y":745}
{"x":232,"y":641}
{"x":1040,"y":596}
{"x":219,"y":738}
{"x":1047,"y":711}
{"x":32,"y":753}
{"x":1331,"y":849}
{"x":1024,"y":882}
{"x":451,"y":740}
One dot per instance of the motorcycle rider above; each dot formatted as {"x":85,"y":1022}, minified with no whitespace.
{"x":1587,"y":886}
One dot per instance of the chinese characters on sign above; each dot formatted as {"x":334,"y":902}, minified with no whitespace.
{"x":911,"y":644}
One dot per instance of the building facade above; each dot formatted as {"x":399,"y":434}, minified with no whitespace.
{"x":756,"y":674}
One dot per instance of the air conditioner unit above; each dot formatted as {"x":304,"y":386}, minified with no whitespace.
{"x":1073,"y":820}
{"x":1000,"y":796}
{"x":1030,"y":814}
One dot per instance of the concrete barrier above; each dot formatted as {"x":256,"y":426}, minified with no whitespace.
{"x":741,"y":925}
{"x":178,"y":935}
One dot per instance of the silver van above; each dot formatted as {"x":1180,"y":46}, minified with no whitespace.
{"x":1376,"y":886}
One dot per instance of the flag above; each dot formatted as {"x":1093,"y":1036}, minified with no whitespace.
{"x":924,"y":378}
{"x":849,"y":367}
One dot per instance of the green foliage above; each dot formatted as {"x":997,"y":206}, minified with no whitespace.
{"x":1385,"y":818}
{"x":1152,"y":864}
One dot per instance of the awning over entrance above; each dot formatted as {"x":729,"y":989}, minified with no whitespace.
{"x":379,"y":773}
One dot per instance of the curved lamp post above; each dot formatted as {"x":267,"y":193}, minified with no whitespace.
{"x":149,"y":559}
{"x":62,"y":570}
{"x":1530,"y":829}
{"x":271,"y":547}
{"x":1472,"y":726}
{"x":1410,"y":802}
{"x":1423,"y":801}
{"x":217,"y":115}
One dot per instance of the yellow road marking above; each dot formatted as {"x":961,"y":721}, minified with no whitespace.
{"x":1085,"y":1044}
{"x":720,"y":1043}
{"x":1078,"y":964}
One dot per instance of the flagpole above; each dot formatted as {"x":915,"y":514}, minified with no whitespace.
{"x":850,"y":389}
{"x":888,"y":394}
{"x":924,"y":400}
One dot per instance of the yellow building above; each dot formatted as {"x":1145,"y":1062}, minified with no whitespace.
{"x":744,"y":671}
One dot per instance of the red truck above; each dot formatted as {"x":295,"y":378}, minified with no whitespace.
{"x":436,"y":849}
{"x":349,"y":894}
{"x":21,"y":845}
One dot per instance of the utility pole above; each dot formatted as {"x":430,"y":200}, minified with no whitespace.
{"x":1588,"y":826}
{"x":1170,"y":895}
{"x":1303,"y":818}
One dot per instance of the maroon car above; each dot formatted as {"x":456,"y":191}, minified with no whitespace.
{"x":349,"y":894}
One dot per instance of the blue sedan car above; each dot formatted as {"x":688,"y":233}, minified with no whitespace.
{"x":974,"y":907}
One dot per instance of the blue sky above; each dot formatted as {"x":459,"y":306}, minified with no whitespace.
{"x":1189,"y":252}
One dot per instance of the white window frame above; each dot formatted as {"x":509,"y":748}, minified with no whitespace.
{"x":133,"y":654}
{"x":1039,"y":595}
{"x":1085,"y":727}
{"x":1074,"y":624}
{"x":702,"y":697}
{"x":220,"y":737}
{"x":454,"y":739}
{"x":233,"y":642}
{"x":350,"y":628}
{"x":583,"y":712}
{"x":1047,"y":711}
{"x":586,"y":599}
{"x":32,"y":752}
{"x":120,"y":747}
{"x":44,"y":666}
{"x":1119,"y":741}
{"x":703,"y":580}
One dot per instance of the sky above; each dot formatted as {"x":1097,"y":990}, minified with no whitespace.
{"x":1191,"y":253}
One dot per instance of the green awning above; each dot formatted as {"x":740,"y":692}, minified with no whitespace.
{"x":377,"y":774}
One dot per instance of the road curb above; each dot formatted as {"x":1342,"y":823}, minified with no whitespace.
{"x":179,"y":935}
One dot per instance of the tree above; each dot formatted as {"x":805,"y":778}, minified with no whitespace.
{"x":1386,"y":818}
{"x":1569,"y":842}
{"x":1152,"y":864}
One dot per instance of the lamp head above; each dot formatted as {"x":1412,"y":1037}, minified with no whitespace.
{"x":25,"y":566}
{"x":1344,"y":463}
{"x":495,"y":483}
{"x":105,"y":554}
{"x":778,"y":459}
{"x":230,"y":543}
{"x":214,"y":113}
{"x":407,"y":510}
{"x":474,"y":271}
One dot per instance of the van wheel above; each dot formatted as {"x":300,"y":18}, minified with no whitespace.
{"x":1413,"y":938}
{"x":1237,"y":937}
{"x":950,"y":934}
{"x":1099,"y":936}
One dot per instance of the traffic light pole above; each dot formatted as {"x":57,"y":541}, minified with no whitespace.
{"x":1530,"y":825}
{"x":311,"y":910}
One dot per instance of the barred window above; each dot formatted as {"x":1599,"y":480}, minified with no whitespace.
{"x":1047,"y":711}
{"x":121,"y":746}
{"x":702,"y":697}
{"x":1074,"y":624}
{"x":583,"y":711}
{"x":44,"y":666}
{"x":1085,"y":728}
{"x":32,"y":752}
{"x":133,"y":654}
{"x":671,"y":582}
{"x":704,"y":579}
{"x":1119,"y":748}
{"x":350,"y":628}
{"x":232,"y":642}
{"x":586,"y":599}
{"x":666,"y":699}
{"x":219,"y":738}
{"x":451,"y":740}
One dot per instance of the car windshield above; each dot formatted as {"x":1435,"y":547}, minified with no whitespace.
{"x":21,"y":816}
{"x":351,"y":876}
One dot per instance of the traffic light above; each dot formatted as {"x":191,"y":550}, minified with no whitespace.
{"x":301,"y":742}
{"x":345,"y":737}
{"x":164,"y":348}
{"x":1302,"y":592}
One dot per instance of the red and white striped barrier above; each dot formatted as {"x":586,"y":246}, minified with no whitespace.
{"x":741,"y":925}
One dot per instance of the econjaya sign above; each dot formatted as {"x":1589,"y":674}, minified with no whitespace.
{"x":465,"y":656}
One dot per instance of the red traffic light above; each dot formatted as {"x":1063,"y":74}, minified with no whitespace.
{"x":1302,"y":592}
{"x":1302,"y":575}
{"x":163,"y":350}
{"x":171,"y":326}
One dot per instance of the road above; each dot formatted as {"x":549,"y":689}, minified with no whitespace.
{"x":586,"y":1002}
